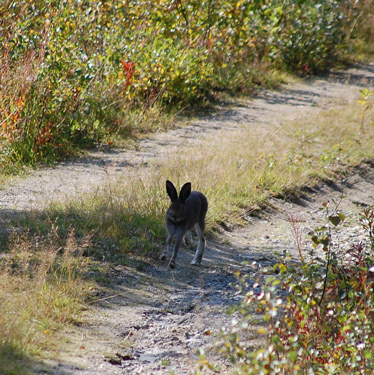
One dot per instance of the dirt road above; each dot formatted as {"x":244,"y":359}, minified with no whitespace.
{"x":160,"y":318}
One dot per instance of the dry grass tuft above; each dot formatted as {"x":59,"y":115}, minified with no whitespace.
{"x":42,"y":288}
{"x":237,"y":171}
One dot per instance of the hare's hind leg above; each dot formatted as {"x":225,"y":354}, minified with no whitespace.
{"x":187,"y":239}
{"x":201,"y":244}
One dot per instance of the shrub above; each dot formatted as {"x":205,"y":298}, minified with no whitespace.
{"x":315,"y":317}
{"x":84,"y":66}
{"x":321,"y":40}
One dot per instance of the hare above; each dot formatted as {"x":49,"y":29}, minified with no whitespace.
{"x":185,"y":212}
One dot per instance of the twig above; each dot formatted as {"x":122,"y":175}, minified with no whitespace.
{"x":326,"y":275}
{"x":294,"y":221}
{"x":9,"y":116}
{"x":106,"y":298}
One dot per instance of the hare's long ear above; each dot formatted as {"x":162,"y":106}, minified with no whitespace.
{"x":171,"y":190}
{"x":185,"y":192}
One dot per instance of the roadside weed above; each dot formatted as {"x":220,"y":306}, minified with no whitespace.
{"x":365,"y":93}
{"x":315,"y":317}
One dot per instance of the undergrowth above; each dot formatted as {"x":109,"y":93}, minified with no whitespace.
{"x":76,"y":73}
{"x":315,"y":316}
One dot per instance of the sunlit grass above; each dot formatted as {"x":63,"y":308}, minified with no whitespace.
{"x":240,"y":169}
{"x":42,"y":289}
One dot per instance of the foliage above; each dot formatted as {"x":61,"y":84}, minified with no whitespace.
{"x":365,"y":93}
{"x":317,"y":46}
{"x":360,"y":29}
{"x":315,"y":317}
{"x":73,"y":72}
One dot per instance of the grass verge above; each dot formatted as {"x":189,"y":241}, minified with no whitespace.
{"x":42,"y":288}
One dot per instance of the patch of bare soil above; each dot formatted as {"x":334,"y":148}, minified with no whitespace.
{"x":159,"y":318}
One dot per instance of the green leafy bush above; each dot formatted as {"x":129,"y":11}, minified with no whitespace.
{"x":312,"y":33}
{"x":86,"y":66}
{"x":315,"y":317}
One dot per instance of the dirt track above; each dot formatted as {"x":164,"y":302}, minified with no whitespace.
{"x":161,"y":317}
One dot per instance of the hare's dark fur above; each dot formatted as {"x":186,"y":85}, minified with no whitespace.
{"x":186,"y":211}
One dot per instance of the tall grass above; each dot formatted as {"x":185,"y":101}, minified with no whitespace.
{"x":239,"y":170}
{"x":361,"y":30}
{"x":41,"y":290}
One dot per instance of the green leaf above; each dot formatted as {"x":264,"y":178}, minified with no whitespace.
{"x":156,"y":234}
{"x":282,"y":268}
{"x":315,"y":239}
{"x":293,"y":356}
{"x":336,"y":220}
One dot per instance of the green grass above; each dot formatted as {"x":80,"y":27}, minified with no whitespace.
{"x":13,"y":360}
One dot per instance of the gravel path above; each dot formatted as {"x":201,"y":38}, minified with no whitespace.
{"x":160,"y":318}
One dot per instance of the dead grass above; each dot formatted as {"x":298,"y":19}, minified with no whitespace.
{"x":237,"y":171}
{"x":42,"y":289}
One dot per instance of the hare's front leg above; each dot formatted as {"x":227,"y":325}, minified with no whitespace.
{"x":167,"y":247}
{"x":179,"y":238}
{"x":196,"y":261}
